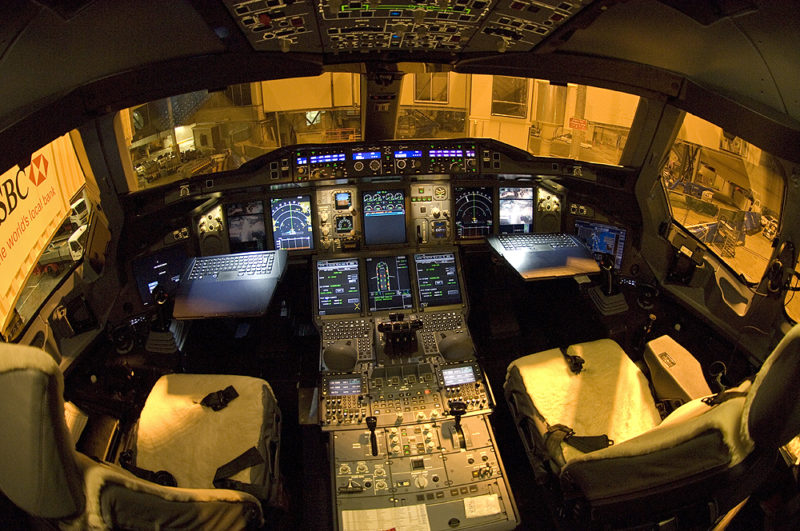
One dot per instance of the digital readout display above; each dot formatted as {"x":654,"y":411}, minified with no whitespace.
{"x":367,"y":155}
{"x":344,"y":386}
{"x":412,"y":154}
{"x":458,"y":375}
{"x":434,"y":153}
{"x":332,"y":157}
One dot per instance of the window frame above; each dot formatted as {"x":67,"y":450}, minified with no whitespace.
{"x":430,"y":77}
{"x":523,"y":105}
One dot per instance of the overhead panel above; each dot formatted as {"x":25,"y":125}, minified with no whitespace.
{"x":347,"y":26}
{"x":277,"y":25}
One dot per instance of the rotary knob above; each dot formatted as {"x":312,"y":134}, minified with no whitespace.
{"x":375,"y":165}
{"x":401,"y":164}
{"x":358,"y":166}
{"x":421,"y":482}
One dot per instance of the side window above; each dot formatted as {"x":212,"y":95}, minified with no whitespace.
{"x":726,"y":192}
{"x":43,"y":221}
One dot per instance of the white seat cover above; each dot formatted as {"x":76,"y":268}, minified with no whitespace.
{"x":610,"y":396}
{"x":191,"y":441}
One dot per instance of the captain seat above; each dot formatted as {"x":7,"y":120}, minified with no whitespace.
{"x":41,"y":472}
{"x":594,"y":435}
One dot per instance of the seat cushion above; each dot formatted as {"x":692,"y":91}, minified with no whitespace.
{"x":609,"y":396}
{"x":177,"y":434}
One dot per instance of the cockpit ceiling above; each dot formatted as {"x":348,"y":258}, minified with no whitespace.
{"x":336,"y":26}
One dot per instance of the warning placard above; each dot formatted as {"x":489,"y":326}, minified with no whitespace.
{"x":578,"y":123}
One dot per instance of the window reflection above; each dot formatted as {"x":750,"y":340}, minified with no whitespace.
{"x":726,"y":192}
{"x":62,"y":254}
{"x":580,"y":122}
{"x":194,"y":134}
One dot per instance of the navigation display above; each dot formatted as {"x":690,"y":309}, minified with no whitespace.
{"x":344,"y":386}
{"x":516,"y":210}
{"x":388,"y":283}
{"x":437,"y":279}
{"x":338,"y":287}
{"x":473,"y":211}
{"x":162,"y":268}
{"x":458,"y":375}
{"x":602,"y":239}
{"x":291,"y":222}
{"x":384,"y":216}
{"x":246,"y":228}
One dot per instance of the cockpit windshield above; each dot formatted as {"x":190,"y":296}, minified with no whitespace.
{"x":184,"y":136}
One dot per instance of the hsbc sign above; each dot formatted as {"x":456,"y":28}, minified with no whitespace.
{"x":34,"y":201}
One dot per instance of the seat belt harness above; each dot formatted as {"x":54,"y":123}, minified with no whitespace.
{"x":162,"y":477}
{"x":559,"y":433}
{"x":249,"y":458}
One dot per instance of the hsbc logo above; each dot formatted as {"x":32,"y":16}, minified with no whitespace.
{"x":38,"y":170}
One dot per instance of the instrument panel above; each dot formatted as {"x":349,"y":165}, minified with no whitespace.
{"x":337,"y":199}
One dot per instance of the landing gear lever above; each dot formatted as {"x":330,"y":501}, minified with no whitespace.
{"x":458,"y":409}
{"x":372,"y":423}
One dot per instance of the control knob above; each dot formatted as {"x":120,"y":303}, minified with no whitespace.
{"x":421,"y":482}
{"x":375,"y":165}
{"x":358,"y":166}
{"x":401,"y":164}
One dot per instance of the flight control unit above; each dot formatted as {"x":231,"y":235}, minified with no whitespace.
{"x":403,"y":398}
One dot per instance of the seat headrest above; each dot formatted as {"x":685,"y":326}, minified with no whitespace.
{"x":38,"y":471}
{"x":772,"y":408}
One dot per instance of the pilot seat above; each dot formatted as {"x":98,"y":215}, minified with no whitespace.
{"x":595,"y":436}
{"x":220,"y":447}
